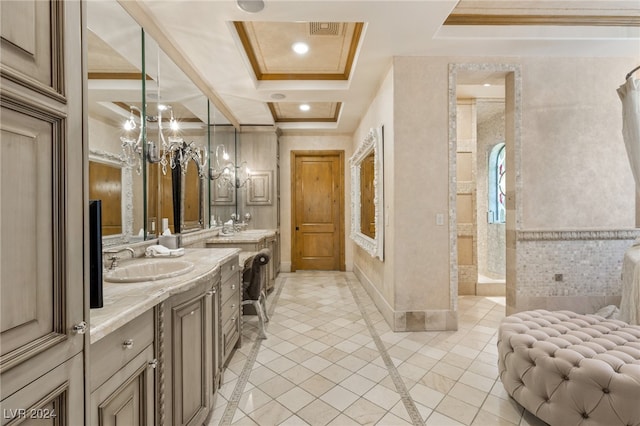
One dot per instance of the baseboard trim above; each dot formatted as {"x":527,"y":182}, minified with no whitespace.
{"x":285,"y":266}
{"x":399,"y":321}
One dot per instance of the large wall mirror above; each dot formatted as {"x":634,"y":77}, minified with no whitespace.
{"x":145,"y":116}
{"x":223,"y":192}
{"x":114,"y":81}
{"x":177,"y":144}
{"x":367,"y":200}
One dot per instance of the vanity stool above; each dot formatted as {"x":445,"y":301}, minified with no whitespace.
{"x":254,"y":284}
{"x":571,"y":369}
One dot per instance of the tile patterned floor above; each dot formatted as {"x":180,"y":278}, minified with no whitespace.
{"x":331,"y":359}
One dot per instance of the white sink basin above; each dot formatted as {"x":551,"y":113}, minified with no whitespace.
{"x":147,"y":270}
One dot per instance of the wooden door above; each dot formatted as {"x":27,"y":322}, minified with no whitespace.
{"x":105,"y":183}
{"x":317,"y":210}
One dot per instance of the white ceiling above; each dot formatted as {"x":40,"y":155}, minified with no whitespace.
{"x":203,"y":32}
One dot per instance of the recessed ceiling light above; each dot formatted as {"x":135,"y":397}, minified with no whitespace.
{"x":304,"y":107}
{"x":487,"y":85}
{"x":300,"y":48}
{"x":278,"y":96}
{"x":251,"y":6}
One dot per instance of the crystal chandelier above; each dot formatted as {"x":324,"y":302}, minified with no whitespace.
{"x":225,"y":172}
{"x":170,"y":151}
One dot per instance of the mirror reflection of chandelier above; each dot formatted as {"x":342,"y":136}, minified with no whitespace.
{"x":132,"y":147}
{"x":225,"y":172}
{"x":170,"y":151}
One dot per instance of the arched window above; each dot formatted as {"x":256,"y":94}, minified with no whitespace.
{"x":497,"y":184}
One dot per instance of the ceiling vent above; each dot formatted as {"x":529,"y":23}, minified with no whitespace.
{"x":324,"y":28}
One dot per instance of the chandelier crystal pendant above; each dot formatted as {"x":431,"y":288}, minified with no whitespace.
{"x":132,"y":147}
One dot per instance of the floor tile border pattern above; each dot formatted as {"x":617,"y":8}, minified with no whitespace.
{"x":401,"y":388}
{"x":243,"y":378}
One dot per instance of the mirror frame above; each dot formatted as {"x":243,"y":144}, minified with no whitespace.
{"x":371,"y":143}
{"x":127,"y":196}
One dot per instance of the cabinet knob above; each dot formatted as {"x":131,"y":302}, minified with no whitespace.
{"x":211,"y":292}
{"x":80,"y":328}
{"x":233,"y":267}
{"x":233,"y":286}
{"x":127,"y":344}
{"x":233,"y":306}
{"x":153,"y":363}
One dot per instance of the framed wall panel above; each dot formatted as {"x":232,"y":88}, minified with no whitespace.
{"x":259,"y":191}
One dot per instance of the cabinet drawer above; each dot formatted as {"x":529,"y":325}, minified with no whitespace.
{"x":229,"y":268}
{"x":230,"y":309}
{"x":230,"y":335}
{"x":113,"y":351}
{"x":230,"y":288}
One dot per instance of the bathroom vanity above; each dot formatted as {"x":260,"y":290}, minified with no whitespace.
{"x":253,"y":240}
{"x":159,"y":347}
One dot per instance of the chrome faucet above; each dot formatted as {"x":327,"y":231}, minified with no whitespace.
{"x":114,"y":257}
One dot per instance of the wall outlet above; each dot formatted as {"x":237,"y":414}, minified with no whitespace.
{"x":439,"y":219}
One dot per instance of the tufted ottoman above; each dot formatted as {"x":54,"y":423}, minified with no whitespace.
{"x":571,"y":369}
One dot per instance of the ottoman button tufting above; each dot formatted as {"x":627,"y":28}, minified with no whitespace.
{"x":569,"y":346}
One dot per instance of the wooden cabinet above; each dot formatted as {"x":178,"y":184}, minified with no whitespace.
{"x":276,"y":254}
{"x":230,"y":315}
{"x":190,"y":351}
{"x":122,"y":375}
{"x":216,"y":356}
{"x":187,"y":356}
{"x":51,"y":399}
{"x":127,"y":397}
{"x":273,"y":244}
{"x":43,"y":212}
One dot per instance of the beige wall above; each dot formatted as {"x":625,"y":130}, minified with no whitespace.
{"x":575,"y":171}
{"x":375,"y":275}
{"x":573,"y":167}
{"x":258,"y":147}
{"x":305,"y":141}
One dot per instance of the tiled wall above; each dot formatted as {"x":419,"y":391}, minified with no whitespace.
{"x":575,"y":270}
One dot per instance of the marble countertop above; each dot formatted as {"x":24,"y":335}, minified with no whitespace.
{"x":125,"y":301}
{"x":246,"y":236}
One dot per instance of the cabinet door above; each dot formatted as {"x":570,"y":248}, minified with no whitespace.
{"x":127,"y":397}
{"x":43,"y":208}
{"x":191,"y":337}
{"x":54,"y":399}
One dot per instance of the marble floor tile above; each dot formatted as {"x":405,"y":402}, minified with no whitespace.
{"x":330,"y":358}
{"x":457,"y":409}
